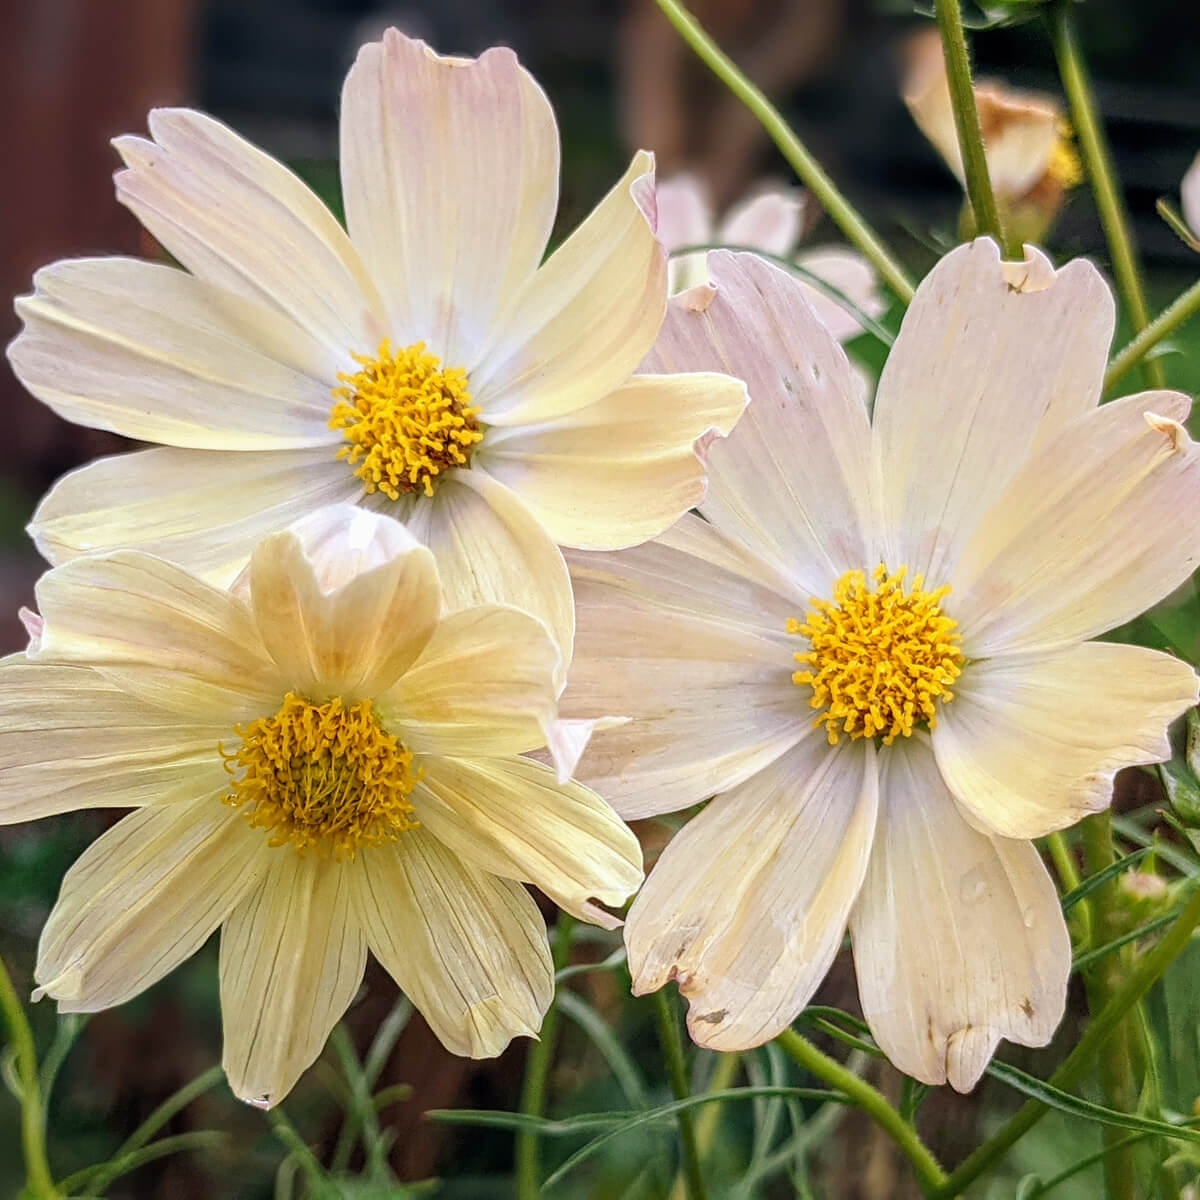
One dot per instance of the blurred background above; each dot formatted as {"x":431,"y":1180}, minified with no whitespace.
{"x":75,"y":73}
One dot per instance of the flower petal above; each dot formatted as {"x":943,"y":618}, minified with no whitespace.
{"x":352,"y":636}
{"x":511,"y":817}
{"x":769,"y":221}
{"x":237,"y":218}
{"x":203,"y":510}
{"x":450,"y":174}
{"x":292,"y":956}
{"x":851,"y":274}
{"x":748,"y":904}
{"x":792,"y":483}
{"x":467,"y":948}
{"x":141,"y":899}
{"x":1084,"y":537}
{"x":70,"y":739}
{"x":622,"y":469}
{"x":150,"y":352}
{"x":1030,"y":743}
{"x":981,"y":367}
{"x":959,"y":939}
{"x":684,"y":219}
{"x":586,"y":318}
{"x":1189,"y":191}
{"x":157,"y":632}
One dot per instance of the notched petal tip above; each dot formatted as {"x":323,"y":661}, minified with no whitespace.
{"x":698,"y":298}
{"x":34,"y":626}
{"x":1034,"y":273}
{"x":1176,"y":435}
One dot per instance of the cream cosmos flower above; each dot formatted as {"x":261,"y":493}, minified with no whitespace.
{"x":320,"y":768}
{"x":872,"y":649}
{"x":1189,"y":191}
{"x":769,"y":220}
{"x":420,"y":362}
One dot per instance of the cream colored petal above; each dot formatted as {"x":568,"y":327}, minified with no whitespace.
{"x":1030,"y":743}
{"x":711,"y":699}
{"x":351,"y":636}
{"x":141,"y":899}
{"x":1020,"y":132}
{"x":510,"y":816}
{"x":159,"y":633}
{"x":450,"y":175}
{"x":1086,"y":535}
{"x":468,"y":949}
{"x":927,"y":94}
{"x":959,"y":939}
{"x":70,"y":739}
{"x":748,"y":905}
{"x":769,"y":221}
{"x":490,"y":549}
{"x":980,"y":368}
{"x":292,"y":956}
{"x":586,"y":318}
{"x":1190,"y":196}
{"x":792,"y":483}
{"x":150,"y":352}
{"x":201,"y":509}
{"x":685,"y":218}
{"x":622,"y":469}
{"x":237,"y":218}
{"x":851,"y":274}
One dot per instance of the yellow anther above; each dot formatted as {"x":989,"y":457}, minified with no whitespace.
{"x":407,"y":419}
{"x":327,"y":776}
{"x":878,"y":660}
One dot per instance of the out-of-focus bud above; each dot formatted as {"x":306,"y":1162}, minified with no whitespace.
{"x":1027,"y":141}
{"x":1140,"y":897}
{"x":1189,"y":196}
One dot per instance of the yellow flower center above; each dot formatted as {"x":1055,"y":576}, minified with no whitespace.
{"x":406,"y":419}
{"x":878,"y":660}
{"x":322,"y":775}
{"x":1064,"y":167}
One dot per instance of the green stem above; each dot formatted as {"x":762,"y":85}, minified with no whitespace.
{"x":930,"y":1175}
{"x":1098,"y":163}
{"x":39,"y":1181}
{"x":1145,"y":973}
{"x":527,"y":1157}
{"x":672,"y":1048}
{"x":806,"y":167}
{"x":1167,"y":321}
{"x":966,"y":121}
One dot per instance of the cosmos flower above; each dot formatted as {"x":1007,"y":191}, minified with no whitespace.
{"x":1189,"y":191}
{"x":320,"y":766}
{"x":419,"y":362}
{"x":768,"y":220}
{"x":872,"y":649}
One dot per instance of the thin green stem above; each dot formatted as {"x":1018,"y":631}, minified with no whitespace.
{"x":38,"y":1180}
{"x":1068,"y":874}
{"x":527,"y":1150}
{"x":1097,"y":162}
{"x":672,"y":1048}
{"x":966,"y":120}
{"x":1180,"y":310}
{"x":809,"y":171}
{"x":1145,"y":973}
{"x":930,"y":1175}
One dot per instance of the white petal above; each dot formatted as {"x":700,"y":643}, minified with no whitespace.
{"x":851,"y":274}
{"x":980,"y":368}
{"x":768,"y":221}
{"x":237,"y":218}
{"x":70,"y":739}
{"x":352,"y":636}
{"x":150,"y":352}
{"x":792,"y":483}
{"x":141,"y":899}
{"x":1086,"y":536}
{"x":1030,"y":743}
{"x":450,"y":174}
{"x":200,"y":509}
{"x":1190,"y":196}
{"x":959,"y":939}
{"x":622,"y":469}
{"x":684,"y":219}
{"x":510,"y":816}
{"x":292,"y":956}
{"x":467,"y":948}
{"x":586,"y":318}
{"x":748,"y":905}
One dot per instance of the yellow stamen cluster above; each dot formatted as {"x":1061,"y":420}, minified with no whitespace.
{"x":406,"y":418}
{"x":878,"y":660}
{"x":327,"y":776}
{"x":1064,"y":167}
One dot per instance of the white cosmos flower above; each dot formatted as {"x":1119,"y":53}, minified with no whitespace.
{"x":486,"y":401}
{"x":1014,"y":519}
{"x":770,"y":220}
{"x":1189,"y":191}
{"x":323,"y":767}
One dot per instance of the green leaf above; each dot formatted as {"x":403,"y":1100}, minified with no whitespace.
{"x":624,"y":1069}
{"x":1085,"y":960}
{"x":1182,"y":788}
{"x":1092,"y":882}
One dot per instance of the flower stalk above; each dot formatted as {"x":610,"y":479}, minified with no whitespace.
{"x":1181,"y":309}
{"x":672,"y":1048}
